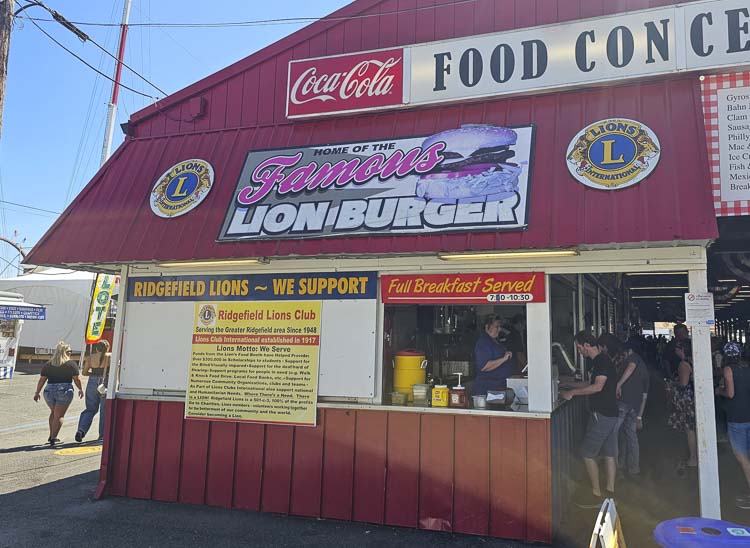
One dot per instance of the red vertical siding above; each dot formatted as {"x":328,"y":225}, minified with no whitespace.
{"x":221,"y":456}
{"x":461,"y":473}
{"x":436,"y":472}
{"x":277,"y":468}
{"x":508,"y":478}
{"x":338,"y":464}
{"x":370,"y":467}
{"x":167,"y":458}
{"x":193,"y":462}
{"x":538,"y":481}
{"x":142,"y":449}
{"x":402,"y":483}
{"x":471,"y":498}
{"x":121,"y":448}
{"x":248,"y":468}
{"x":307,"y":469}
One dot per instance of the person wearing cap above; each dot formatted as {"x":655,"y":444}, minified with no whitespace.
{"x":736,"y":391}
{"x":494,"y":363}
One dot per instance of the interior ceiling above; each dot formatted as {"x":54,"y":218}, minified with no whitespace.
{"x":728,"y":279}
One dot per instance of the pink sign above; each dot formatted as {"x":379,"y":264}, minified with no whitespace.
{"x":346,"y":83}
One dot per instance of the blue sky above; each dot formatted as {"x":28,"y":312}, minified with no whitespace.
{"x":55,"y":107}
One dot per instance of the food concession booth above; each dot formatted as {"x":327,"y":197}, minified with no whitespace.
{"x":311,"y":238}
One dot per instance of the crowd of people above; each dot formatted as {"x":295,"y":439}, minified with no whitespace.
{"x":617,"y":389}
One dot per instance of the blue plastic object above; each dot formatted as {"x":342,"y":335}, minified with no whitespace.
{"x":700,"y":532}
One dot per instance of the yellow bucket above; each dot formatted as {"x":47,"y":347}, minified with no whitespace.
{"x":408,"y":369}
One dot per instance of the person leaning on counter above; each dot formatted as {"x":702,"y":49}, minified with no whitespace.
{"x":494,"y":363}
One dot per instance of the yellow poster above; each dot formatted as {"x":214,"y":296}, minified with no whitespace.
{"x":255,"y":362}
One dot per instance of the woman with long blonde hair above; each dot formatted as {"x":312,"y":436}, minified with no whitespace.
{"x":59,"y":375}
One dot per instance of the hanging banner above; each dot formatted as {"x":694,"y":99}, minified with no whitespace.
{"x":99,"y":306}
{"x":492,"y":288}
{"x":472,"y":178}
{"x":255,"y":362}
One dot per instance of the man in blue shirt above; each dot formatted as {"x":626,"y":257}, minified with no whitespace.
{"x":494,"y":363}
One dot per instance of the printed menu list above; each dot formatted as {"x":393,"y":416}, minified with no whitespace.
{"x":734,"y":143}
{"x":255,"y":362}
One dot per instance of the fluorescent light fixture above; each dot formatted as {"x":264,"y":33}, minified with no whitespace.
{"x":658,"y":288}
{"x":655,"y":273}
{"x":489,"y":255}
{"x":657,"y":297}
{"x":219,"y":263}
{"x":727,"y":281}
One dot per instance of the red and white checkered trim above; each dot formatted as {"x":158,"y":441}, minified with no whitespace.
{"x":709,"y":87}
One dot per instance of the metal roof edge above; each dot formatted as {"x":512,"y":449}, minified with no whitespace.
{"x":141,"y":264}
{"x":246,"y":63}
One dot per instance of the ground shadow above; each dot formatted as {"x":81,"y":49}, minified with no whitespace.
{"x":46,"y":447}
{"x":64,"y":512}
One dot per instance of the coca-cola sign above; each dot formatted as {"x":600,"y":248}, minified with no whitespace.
{"x":347,"y":83}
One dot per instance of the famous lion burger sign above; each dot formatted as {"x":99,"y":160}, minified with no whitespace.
{"x":470,"y":178}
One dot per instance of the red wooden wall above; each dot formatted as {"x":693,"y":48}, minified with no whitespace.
{"x":470,"y":474}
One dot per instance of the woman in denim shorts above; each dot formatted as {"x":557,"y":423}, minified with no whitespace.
{"x":736,"y":391}
{"x":59,"y":375}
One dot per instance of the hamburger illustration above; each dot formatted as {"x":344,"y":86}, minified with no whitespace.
{"x":476,"y":165}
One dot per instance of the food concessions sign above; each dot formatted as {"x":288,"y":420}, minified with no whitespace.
{"x":466,"y":179}
{"x":255,"y":339}
{"x":696,"y":36}
{"x":493,"y":288}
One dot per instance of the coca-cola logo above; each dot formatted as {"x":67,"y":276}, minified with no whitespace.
{"x":345,"y":83}
{"x":367,"y":78}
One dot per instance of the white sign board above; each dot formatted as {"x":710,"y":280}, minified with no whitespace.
{"x":734,"y":143}
{"x":699,"y":309}
{"x":698,"y":36}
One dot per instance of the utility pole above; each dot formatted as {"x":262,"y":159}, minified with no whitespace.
{"x":6,"y":24}
{"x":109,"y":128}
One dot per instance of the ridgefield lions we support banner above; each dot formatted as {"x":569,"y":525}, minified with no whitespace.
{"x":475,"y":177}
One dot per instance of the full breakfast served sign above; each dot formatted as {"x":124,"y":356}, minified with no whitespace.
{"x":470,"y":178}
{"x":494,"y":288}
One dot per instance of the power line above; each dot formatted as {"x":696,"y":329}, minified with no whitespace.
{"x":92,"y":67}
{"x":157,"y":88}
{"x":30,"y":207}
{"x":279,"y":21}
{"x":85,"y":37}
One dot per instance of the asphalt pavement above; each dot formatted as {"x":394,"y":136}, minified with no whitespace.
{"x":46,"y":499}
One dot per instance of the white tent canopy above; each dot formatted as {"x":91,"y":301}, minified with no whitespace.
{"x":66,"y":294}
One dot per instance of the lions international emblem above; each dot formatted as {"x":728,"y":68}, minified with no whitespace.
{"x":182,"y":188}
{"x":207,"y":315}
{"x":613,"y":154}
